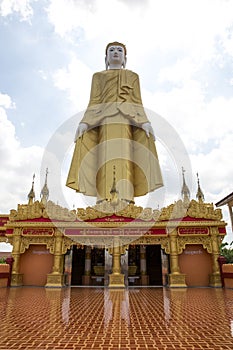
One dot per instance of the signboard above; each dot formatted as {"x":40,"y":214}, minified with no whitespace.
{"x":193,"y":231}
{"x":38,"y":231}
{"x":115,"y":231}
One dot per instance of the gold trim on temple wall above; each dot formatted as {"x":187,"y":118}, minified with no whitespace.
{"x":66,"y":244}
{"x":43,"y":240}
{"x":55,"y":212}
{"x":204,"y":241}
{"x":173,"y":211}
{"x":85,"y":226}
{"x":38,"y":210}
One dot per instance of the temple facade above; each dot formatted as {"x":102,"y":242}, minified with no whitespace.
{"x":114,"y":245}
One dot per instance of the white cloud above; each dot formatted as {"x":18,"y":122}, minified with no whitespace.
{"x":165,"y":25}
{"x":22,"y":7}
{"x":75,"y":79}
{"x":197,"y":120}
{"x":5,"y":247}
{"x":216,"y":168}
{"x":17,"y":163}
{"x":5,"y":101}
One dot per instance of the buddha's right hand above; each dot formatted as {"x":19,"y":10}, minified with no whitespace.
{"x":80,"y":131}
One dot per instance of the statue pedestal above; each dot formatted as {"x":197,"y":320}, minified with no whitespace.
{"x":177,"y":280}
{"x":117,"y":280}
{"x":55,"y":280}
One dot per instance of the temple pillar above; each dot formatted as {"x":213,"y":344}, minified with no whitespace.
{"x":116,"y":278}
{"x":176,"y":279}
{"x":56,"y":278}
{"x":144,"y":276}
{"x":86,"y":278}
{"x":215,"y":276}
{"x":16,"y":277}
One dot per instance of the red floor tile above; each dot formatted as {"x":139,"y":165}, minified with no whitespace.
{"x":142,"y":318}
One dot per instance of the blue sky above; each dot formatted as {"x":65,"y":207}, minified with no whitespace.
{"x":183,"y":53}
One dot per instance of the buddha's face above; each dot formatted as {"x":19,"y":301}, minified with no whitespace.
{"x":115,"y":55}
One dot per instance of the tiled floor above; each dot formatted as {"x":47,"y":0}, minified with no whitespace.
{"x":97,"y":318}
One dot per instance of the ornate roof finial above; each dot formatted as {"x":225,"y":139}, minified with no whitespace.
{"x":185,"y":190}
{"x":114,"y":193}
{"x":31,"y":194}
{"x":45,"y":191}
{"x":199,"y":195}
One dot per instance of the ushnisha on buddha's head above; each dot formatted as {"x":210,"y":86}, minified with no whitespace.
{"x":115,"y":55}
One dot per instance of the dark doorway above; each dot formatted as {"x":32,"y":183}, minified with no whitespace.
{"x":154,"y":265}
{"x":134,"y":260}
{"x":97,"y":266}
{"x":78,"y":266}
{"x":97,"y":257}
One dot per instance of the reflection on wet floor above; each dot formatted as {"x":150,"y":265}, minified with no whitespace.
{"x":102,"y":318}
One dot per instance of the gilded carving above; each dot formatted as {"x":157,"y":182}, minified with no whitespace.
{"x":16,"y":279}
{"x":173,"y":211}
{"x":67,"y":243}
{"x":204,"y":210}
{"x":55,"y":280}
{"x":3,"y":239}
{"x":38,"y":210}
{"x":105,"y":209}
{"x":177,"y":210}
{"x":194,"y":210}
{"x":26,"y":241}
{"x":177,"y":280}
{"x":215,"y":280}
{"x":147,"y":240}
{"x":204,"y":241}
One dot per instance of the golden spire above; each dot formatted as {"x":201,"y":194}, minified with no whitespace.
{"x":199,"y":195}
{"x":185,"y":190}
{"x":31,"y":194}
{"x":45,"y":191}
{"x":114,"y":193}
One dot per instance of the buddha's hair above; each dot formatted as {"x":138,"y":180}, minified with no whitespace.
{"x":116,"y":43}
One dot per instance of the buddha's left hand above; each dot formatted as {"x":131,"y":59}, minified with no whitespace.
{"x":148,"y":130}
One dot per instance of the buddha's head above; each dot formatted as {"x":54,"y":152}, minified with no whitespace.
{"x":115,"y":55}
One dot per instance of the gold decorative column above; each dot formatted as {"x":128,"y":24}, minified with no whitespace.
{"x":116,"y":278}
{"x":16,"y":277}
{"x":144,"y":276}
{"x":215,"y":277}
{"x":176,"y":279}
{"x":86,"y":278}
{"x":56,"y":278}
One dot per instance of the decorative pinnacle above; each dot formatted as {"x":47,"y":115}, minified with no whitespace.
{"x":31,"y":194}
{"x":185,"y":190}
{"x":113,"y":191}
{"x":45,"y":191}
{"x":199,"y":195}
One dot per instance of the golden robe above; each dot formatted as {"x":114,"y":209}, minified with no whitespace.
{"x":115,"y":138}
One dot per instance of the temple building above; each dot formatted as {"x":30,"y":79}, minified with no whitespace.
{"x":114,"y":245}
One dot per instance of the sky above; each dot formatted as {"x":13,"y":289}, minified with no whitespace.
{"x":183,"y":53}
